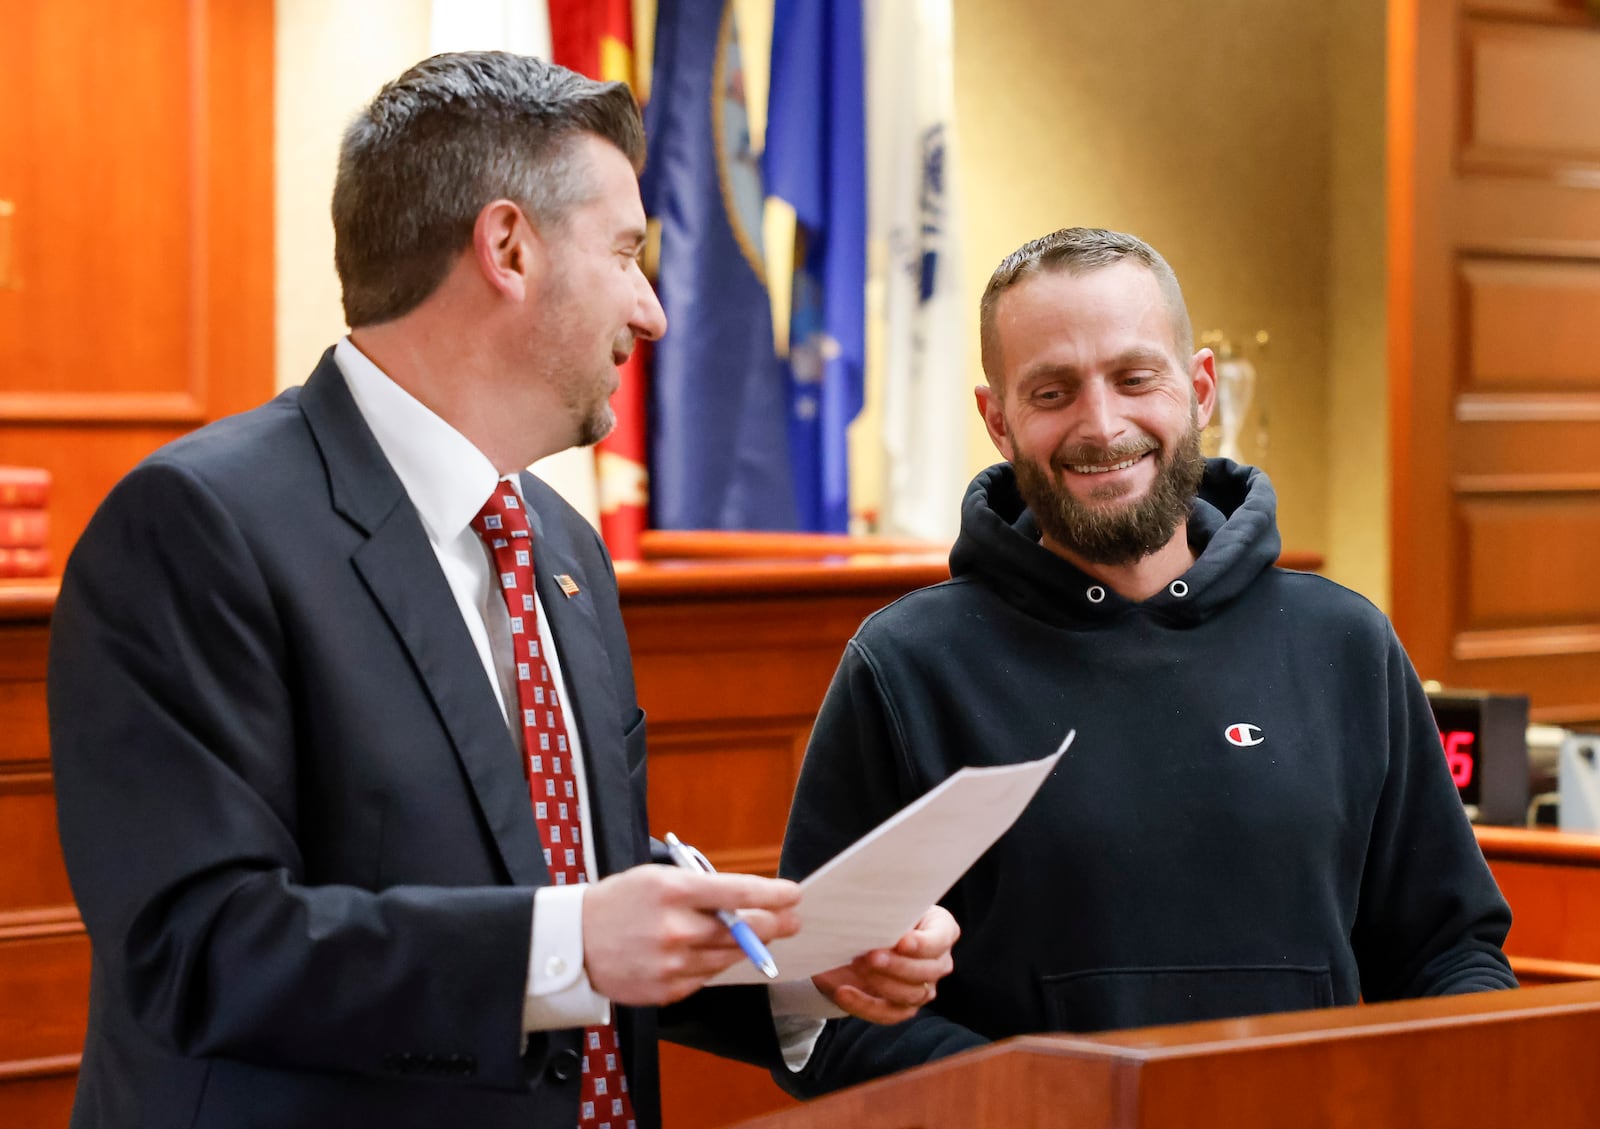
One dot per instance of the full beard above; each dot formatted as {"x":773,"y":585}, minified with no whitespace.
{"x":1106,"y":533}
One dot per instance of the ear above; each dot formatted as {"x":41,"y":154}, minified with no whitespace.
{"x":1203,"y":379}
{"x":992,"y":408}
{"x":502,"y":248}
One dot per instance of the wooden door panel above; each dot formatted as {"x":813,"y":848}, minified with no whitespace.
{"x":1495,"y":375}
{"x":1507,"y":215}
{"x":104,"y":237}
{"x":32,"y":876}
{"x":726,"y":788}
{"x":1522,"y":456}
{"x":136,"y":288}
{"x":136,"y":247}
{"x":1532,"y":560}
{"x":1533,"y":89}
{"x":43,"y":980}
{"x":1555,"y":11}
{"x":1532,"y":325}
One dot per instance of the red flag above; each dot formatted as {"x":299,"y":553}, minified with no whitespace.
{"x":595,"y":37}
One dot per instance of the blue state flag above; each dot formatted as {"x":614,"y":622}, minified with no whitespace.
{"x":816,"y":161}
{"x":719,"y":446}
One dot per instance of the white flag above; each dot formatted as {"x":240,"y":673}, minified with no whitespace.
{"x":913,"y":222}
{"x":522,"y":26}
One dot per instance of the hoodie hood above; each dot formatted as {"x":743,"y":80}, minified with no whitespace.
{"x":1233,"y":530}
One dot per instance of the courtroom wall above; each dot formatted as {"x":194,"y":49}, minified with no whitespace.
{"x":1244,"y":139}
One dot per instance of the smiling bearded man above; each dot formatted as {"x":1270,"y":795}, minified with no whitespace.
{"x":1109,"y":580}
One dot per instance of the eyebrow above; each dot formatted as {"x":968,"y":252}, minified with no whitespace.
{"x":1137,"y":357}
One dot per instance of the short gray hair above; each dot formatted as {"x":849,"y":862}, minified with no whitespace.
{"x":443,"y":140}
{"x":1078,"y":250}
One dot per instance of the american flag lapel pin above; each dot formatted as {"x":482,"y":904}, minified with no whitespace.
{"x":567,"y":585}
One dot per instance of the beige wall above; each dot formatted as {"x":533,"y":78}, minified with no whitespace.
{"x":1243,"y":138}
{"x":1215,"y":132}
{"x":1358,"y":377}
{"x":332,"y":55}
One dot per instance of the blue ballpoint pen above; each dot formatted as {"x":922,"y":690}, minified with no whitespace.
{"x":690,"y":859}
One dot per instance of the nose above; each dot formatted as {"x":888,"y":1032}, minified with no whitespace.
{"x":649,"y":319}
{"x":1098,"y":420}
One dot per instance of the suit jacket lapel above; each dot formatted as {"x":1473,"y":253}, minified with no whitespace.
{"x":591,"y":697}
{"x":402,"y":573}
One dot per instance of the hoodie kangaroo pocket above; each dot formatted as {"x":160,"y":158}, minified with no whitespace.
{"x":1141,"y":997}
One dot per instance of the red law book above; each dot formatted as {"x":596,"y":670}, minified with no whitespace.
{"x":24,"y":486}
{"x":24,"y":562}
{"x":24,"y":529}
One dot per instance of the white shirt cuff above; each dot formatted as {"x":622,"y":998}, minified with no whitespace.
{"x":559,"y":993}
{"x":799,"y":1013}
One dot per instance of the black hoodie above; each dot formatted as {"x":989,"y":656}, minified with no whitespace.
{"x":1256,"y":814}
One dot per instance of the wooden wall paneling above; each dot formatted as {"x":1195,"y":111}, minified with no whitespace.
{"x":1531,"y":324}
{"x":137,"y":151}
{"x":44,"y":953}
{"x":1533,"y":89}
{"x":38,"y":1095}
{"x":1490,"y":1059}
{"x":137,"y":303}
{"x":32,"y":875}
{"x":1531,"y":559}
{"x":1552,"y":881}
{"x":732,"y":659}
{"x":1494,"y":288}
{"x":46,"y":989}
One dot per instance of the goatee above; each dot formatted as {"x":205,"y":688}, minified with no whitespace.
{"x":596,"y":425}
{"x":1107,"y":533}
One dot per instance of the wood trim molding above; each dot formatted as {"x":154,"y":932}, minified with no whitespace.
{"x":24,"y":776}
{"x":639,"y":582}
{"x":1577,"y":482}
{"x":1526,"y":642}
{"x":1546,"y":407}
{"x":684,"y":544}
{"x":1515,"y":844}
{"x":1552,"y":971}
{"x":156,"y":409}
{"x":28,"y":599}
{"x":1584,"y":714}
{"x":56,"y":1066}
{"x":31,"y":924}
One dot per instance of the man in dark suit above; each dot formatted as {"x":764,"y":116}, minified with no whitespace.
{"x":302,"y":685}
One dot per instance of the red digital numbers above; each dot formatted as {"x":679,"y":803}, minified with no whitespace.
{"x":1458,"y":755}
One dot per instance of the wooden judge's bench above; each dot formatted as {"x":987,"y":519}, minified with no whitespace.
{"x":734,"y":642}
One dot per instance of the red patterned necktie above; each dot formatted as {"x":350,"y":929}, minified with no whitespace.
{"x":603,"y":1101}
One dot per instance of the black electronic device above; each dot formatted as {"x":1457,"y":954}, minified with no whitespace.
{"x":1485,"y":739}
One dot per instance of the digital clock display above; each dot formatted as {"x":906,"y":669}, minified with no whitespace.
{"x":1460,"y":730}
{"x":1461,"y":754}
{"x":1485,"y":747}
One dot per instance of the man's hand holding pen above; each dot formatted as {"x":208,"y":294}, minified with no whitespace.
{"x":651,"y":935}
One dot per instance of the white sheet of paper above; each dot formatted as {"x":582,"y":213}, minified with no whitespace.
{"x":867,"y":896}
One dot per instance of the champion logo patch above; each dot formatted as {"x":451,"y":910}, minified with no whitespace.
{"x":1243,"y":734}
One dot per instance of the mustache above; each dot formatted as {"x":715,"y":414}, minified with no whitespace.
{"x":1088,"y":453}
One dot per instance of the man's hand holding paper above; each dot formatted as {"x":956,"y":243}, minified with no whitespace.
{"x":874,"y":897}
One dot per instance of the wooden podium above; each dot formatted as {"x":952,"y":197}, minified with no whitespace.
{"x":1525,"y":1058}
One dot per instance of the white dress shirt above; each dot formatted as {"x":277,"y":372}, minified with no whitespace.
{"x":448,"y":480}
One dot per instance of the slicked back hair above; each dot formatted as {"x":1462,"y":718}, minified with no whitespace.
{"x":1078,"y":250}
{"x":439,"y":143}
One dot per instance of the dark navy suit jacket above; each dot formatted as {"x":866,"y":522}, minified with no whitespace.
{"x":294,"y":819}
